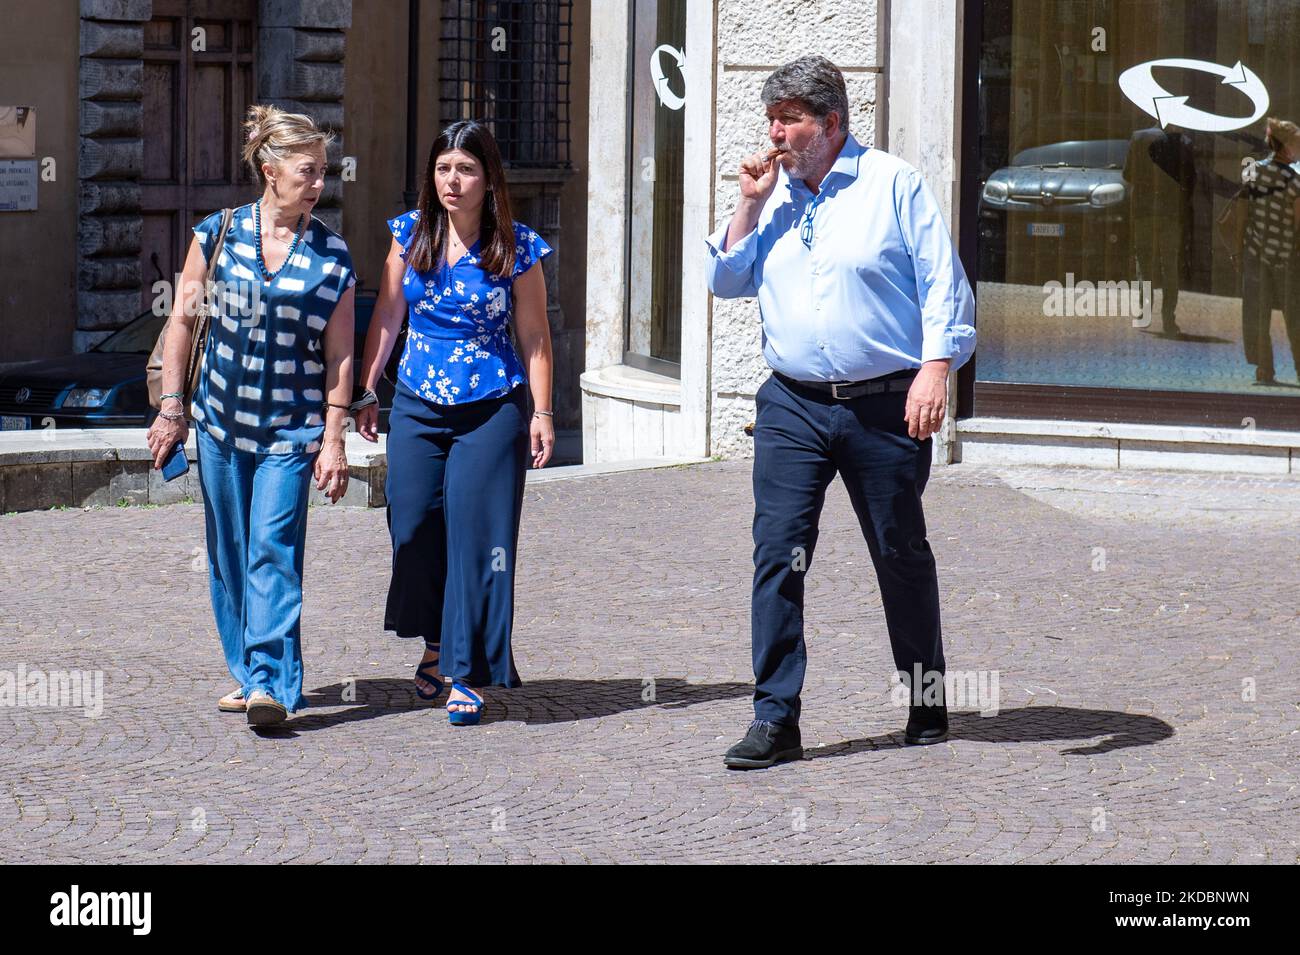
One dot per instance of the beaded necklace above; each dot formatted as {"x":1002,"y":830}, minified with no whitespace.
{"x":267,"y":274}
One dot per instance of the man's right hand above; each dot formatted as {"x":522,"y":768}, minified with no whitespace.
{"x":758,"y":176}
{"x":757,"y":180}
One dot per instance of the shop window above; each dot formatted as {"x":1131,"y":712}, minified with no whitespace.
{"x":1136,"y":231}
{"x":657,"y":130}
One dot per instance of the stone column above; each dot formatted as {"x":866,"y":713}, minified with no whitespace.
{"x":925,"y":123}
{"x":607,"y":185}
{"x":751,"y":42}
{"x":110,"y":160}
{"x":300,"y":69}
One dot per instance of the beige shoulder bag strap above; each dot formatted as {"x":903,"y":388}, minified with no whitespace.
{"x":154,"y":366}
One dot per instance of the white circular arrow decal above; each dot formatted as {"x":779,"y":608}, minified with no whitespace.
{"x":1141,"y":87}
{"x":662,"y":89}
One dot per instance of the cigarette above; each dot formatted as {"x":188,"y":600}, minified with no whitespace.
{"x":773,"y":153}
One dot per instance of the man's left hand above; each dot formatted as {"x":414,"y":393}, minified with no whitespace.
{"x":927,"y":399}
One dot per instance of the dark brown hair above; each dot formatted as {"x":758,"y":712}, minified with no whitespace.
{"x":428,"y":245}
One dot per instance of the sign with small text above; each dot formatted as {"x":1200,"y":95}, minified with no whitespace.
{"x":17,"y":185}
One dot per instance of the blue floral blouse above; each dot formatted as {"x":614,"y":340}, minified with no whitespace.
{"x":458,"y":346}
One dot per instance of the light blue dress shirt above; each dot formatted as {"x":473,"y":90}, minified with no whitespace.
{"x":880,"y":289}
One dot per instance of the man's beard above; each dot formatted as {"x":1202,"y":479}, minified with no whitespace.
{"x":805,"y":162}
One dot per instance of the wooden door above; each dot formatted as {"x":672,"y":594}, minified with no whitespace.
{"x":199,"y":76}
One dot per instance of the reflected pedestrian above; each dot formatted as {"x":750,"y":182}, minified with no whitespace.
{"x":1269,"y":275}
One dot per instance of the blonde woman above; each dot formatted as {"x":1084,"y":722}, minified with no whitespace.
{"x":270,"y":406}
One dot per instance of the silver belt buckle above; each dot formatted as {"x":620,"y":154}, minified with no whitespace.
{"x":835,"y":389}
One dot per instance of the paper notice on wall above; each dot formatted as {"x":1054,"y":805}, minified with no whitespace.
{"x":17,"y":185}
{"x":17,"y":132}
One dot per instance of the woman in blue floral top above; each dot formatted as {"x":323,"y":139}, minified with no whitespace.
{"x":462,"y":272}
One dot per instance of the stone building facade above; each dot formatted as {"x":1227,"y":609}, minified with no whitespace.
{"x":139,"y":105}
{"x":700,"y":407}
{"x":300,"y":68}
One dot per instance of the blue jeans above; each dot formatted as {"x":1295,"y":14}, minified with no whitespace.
{"x":802,"y":438}
{"x":255,"y":506}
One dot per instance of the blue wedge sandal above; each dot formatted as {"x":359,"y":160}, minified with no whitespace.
{"x":465,"y":717}
{"x":427,"y":672}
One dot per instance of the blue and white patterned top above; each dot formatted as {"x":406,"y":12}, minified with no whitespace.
{"x":458,"y":346}
{"x":263,"y":381}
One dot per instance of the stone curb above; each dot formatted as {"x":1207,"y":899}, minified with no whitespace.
{"x":110,"y":466}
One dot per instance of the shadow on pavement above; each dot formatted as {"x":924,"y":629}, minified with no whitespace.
{"x":1029,"y":724}
{"x":1188,"y":337}
{"x":537,"y":701}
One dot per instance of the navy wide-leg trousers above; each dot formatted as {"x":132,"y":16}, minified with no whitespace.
{"x":802,"y":439}
{"x":455,"y":490}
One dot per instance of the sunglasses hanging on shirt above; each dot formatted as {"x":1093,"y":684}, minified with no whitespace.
{"x":806,"y":227}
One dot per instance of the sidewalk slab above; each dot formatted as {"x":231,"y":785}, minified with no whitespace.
{"x":1140,"y":626}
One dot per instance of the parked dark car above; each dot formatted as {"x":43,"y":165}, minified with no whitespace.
{"x":101,"y":388}
{"x":105,"y":387}
{"x":1057,"y":208}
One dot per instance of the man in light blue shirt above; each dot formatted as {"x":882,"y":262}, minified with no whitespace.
{"x":865,"y":311}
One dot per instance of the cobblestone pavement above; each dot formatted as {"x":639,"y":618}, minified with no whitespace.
{"x":1142,"y":627}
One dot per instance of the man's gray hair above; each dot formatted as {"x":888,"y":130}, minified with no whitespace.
{"x":815,"y":81}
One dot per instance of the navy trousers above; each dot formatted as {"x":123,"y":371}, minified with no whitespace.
{"x":802,"y":439}
{"x":455,"y":490}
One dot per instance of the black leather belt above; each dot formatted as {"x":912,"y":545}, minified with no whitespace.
{"x":845,"y":390}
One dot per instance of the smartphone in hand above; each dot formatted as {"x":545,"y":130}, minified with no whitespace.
{"x":176,"y":463}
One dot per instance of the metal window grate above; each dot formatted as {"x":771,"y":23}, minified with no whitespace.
{"x":506,"y":63}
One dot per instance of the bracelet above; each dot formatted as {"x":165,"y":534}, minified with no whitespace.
{"x":344,"y":407}
{"x":173,"y":394}
{"x":174,"y":416}
{"x":549,"y":414}
{"x":367,"y":399}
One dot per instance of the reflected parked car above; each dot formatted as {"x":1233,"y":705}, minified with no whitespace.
{"x":105,"y":387}
{"x":1057,"y":208}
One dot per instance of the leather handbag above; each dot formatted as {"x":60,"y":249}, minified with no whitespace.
{"x":198,"y":340}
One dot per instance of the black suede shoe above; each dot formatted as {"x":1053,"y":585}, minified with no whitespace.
{"x":926,"y":724}
{"x":766,"y":744}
